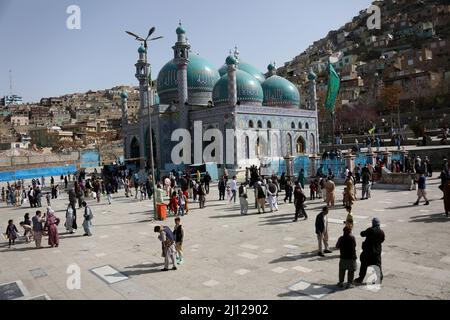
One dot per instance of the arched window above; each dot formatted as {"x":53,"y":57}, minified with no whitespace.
{"x":300,"y":146}
{"x":259,"y":124}
{"x":307,"y":125}
{"x":250,"y":124}
{"x":269,"y":125}
{"x":292,"y":125}
{"x":247,"y":147}
{"x":300,"y":126}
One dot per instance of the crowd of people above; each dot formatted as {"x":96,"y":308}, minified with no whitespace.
{"x":183,"y":189}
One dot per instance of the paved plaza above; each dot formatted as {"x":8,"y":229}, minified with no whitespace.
{"x":229,"y":256}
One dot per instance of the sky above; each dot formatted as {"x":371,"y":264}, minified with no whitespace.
{"x":48,"y":59}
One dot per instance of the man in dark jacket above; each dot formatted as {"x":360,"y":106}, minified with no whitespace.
{"x":322,"y":231}
{"x":222,"y":187}
{"x":299,"y":202}
{"x":371,"y":254}
{"x":347,"y":247}
{"x":207,"y":180}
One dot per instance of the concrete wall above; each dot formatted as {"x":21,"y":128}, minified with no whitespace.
{"x":44,"y":161}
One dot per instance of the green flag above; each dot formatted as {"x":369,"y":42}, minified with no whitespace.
{"x":333,"y":88}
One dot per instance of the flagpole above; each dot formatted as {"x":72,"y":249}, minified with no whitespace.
{"x":333,"y":115}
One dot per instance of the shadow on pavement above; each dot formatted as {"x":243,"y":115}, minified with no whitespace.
{"x":323,"y":289}
{"x":438,"y":217}
{"x":307,"y":255}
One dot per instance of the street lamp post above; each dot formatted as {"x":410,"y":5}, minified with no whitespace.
{"x":146,"y":88}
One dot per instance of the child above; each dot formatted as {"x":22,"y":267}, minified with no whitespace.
{"x":318,"y":188}
{"x":11,"y":232}
{"x":181,"y":203}
{"x":179,"y":237}
{"x":173,"y":204}
{"x":312,"y":190}
{"x":228,"y":193}
{"x":47,"y":196}
{"x":186,"y":205}
{"x":27,"y":231}
{"x":349,"y":220}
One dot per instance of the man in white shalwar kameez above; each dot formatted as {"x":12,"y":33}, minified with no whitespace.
{"x":69,"y":218}
{"x":272,"y":191}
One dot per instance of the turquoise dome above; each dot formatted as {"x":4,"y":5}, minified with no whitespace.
{"x":230,"y":60}
{"x":180,"y":30}
{"x":141,"y":49}
{"x":247,"y":68}
{"x":201,"y":77}
{"x":249,"y":89}
{"x":124,"y":95}
{"x":280,"y":92}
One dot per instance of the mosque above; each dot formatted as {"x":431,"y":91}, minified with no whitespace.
{"x":263,"y":109}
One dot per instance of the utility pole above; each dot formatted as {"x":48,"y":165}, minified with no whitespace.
{"x":142,"y":76}
{"x":333,"y":117}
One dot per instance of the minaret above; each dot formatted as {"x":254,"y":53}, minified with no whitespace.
{"x":181,"y":59}
{"x":272,"y":70}
{"x":232,"y":85}
{"x":313,"y":103}
{"x":124,"y":107}
{"x":142,"y":76}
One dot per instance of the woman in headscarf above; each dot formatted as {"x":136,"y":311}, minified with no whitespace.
{"x":52,"y":228}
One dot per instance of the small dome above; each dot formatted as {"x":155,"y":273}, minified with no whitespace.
{"x":202,"y":76}
{"x":124,"y":95}
{"x":141,"y":49}
{"x":180,"y":30}
{"x":249,"y":89}
{"x":244,"y":66}
{"x":312,"y":76}
{"x":230,"y":60}
{"x":270,"y":67}
{"x":280,"y":92}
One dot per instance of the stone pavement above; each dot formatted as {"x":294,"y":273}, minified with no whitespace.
{"x":229,"y":256}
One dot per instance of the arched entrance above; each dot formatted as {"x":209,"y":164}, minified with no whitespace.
{"x":134,"y":150}
{"x":300,"y":146}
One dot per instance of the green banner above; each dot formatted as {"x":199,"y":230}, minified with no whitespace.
{"x":333,"y":88}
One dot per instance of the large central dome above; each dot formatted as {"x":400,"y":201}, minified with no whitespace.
{"x":247,"y":67}
{"x":201,"y":77}
{"x":249,"y":90}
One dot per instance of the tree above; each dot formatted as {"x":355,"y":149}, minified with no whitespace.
{"x":390,"y":97}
